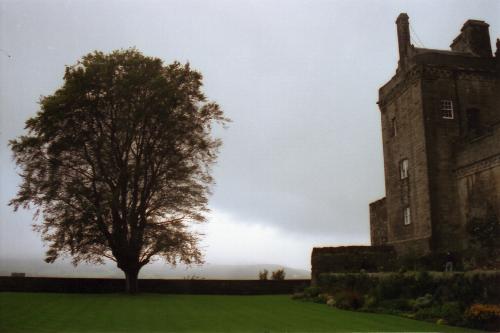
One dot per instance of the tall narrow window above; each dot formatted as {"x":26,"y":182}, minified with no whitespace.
{"x":447,"y":109}
{"x":403,"y":168}
{"x":394,"y":127}
{"x":407,"y":215}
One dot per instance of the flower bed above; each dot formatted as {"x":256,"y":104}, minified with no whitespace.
{"x":463,"y":299}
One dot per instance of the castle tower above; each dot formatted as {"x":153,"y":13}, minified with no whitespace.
{"x":440,"y":117}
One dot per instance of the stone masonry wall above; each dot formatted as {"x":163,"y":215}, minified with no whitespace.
{"x":344,"y":259}
{"x":439,"y":84}
{"x":450,"y":140}
{"x":403,"y":106}
{"x":478,"y":178}
{"x":378,"y":222}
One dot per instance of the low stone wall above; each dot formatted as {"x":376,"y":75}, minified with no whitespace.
{"x":378,"y":222}
{"x":351,"y":259}
{"x":223,"y":287}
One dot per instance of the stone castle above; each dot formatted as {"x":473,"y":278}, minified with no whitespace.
{"x":440,"y":118}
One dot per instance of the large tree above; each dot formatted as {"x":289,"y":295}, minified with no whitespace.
{"x":117,"y":162}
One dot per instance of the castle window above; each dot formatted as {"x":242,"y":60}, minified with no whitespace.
{"x":446,"y":109}
{"x":407,"y":215}
{"x":403,"y":168}
{"x":394,"y":127}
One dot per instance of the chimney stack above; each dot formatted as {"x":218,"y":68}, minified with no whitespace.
{"x":403,"y":27}
{"x":474,"y":38}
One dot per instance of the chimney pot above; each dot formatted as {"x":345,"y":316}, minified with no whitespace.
{"x":403,"y":29}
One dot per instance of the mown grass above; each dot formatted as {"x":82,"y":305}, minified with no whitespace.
{"x":39,"y":312}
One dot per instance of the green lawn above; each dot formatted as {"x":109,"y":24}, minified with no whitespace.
{"x":37,"y":312}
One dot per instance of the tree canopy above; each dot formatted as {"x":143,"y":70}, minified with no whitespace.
{"x":117,"y":162}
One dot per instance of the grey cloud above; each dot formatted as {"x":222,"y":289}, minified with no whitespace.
{"x":299,"y":79}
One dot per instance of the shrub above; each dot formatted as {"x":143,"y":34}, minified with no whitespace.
{"x":370,"y":302}
{"x":311,"y":292}
{"x":456,"y":287}
{"x":334,"y":283}
{"x":485,"y":316}
{"x":424,"y":283}
{"x":420,"y":295}
{"x":298,"y":295}
{"x":430,"y":313}
{"x":422,"y":302}
{"x":330,"y":301}
{"x":321,"y":298}
{"x":348,"y":300}
{"x":263,"y":274}
{"x":393,"y":286}
{"x":466,"y":288}
{"x":396,"y":305}
{"x":278,"y":275}
{"x":486,"y":288}
{"x":485,"y":231}
{"x":441,"y":321}
{"x":452,"y":313}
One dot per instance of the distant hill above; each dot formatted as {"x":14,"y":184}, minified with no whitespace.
{"x":37,"y":267}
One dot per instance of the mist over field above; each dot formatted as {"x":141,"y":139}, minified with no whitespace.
{"x":37,"y":268}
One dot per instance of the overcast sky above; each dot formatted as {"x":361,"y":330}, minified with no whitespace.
{"x":302,"y":158}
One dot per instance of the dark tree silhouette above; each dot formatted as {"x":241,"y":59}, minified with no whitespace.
{"x":278,"y":274}
{"x":117,"y":162}
{"x":263,"y":274}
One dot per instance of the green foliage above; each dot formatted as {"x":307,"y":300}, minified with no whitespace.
{"x":458,"y":287}
{"x":370,"y":302}
{"x":485,"y":231}
{"x":321,"y":298}
{"x":395,"y":305}
{"x":421,"y":295}
{"x":441,"y":321}
{"x":393,"y":286}
{"x":348,"y":300}
{"x":422,"y":302}
{"x":298,"y":295}
{"x":278,"y":275}
{"x":311,"y":292}
{"x":452,"y":313}
{"x":333,"y":282}
{"x":484,"y":249}
{"x":117,"y":161}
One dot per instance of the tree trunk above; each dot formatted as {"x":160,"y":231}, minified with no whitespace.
{"x":131,"y":281}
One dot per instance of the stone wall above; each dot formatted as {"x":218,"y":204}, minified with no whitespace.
{"x":351,"y":259}
{"x":453,"y":145}
{"x":85,"y":285}
{"x":378,"y":222}
{"x":478,"y":178}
